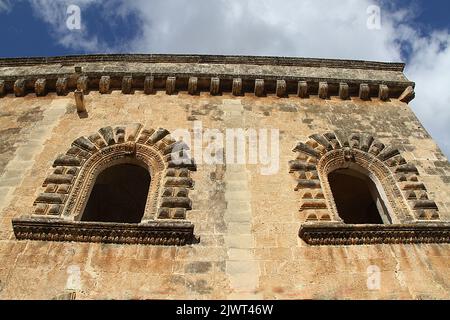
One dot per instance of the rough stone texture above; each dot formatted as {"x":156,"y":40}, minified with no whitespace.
{"x":79,"y":101}
{"x":61,"y":86}
{"x":323,"y":90}
{"x":170,"y":85}
{"x":343,"y":91}
{"x":237,"y":86}
{"x":383,"y":92}
{"x":127,"y":84}
{"x":192,"y":85}
{"x":215,"y":86}
{"x":19,"y":87}
{"x":302,"y":89}
{"x":259,"y":87}
{"x":40,"y":87}
{"x":364,"y":91}
{"x":407,"y":95}
{"x":248,"y":223}
{"x":105,"y":82}
{"x":83,"y":84}
{"x":2,"y":88}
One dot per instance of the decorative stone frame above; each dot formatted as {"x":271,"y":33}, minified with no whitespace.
{"x":409,"y":206}
{"x":59,"y":208}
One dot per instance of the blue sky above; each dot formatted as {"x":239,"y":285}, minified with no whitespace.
{"x":416,"y":32}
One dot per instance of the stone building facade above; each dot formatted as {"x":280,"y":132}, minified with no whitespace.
{"x":357,"y":205}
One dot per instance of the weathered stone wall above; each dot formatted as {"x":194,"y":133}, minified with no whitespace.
{"x":248,"y":223}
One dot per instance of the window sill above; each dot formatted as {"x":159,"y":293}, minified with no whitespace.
{"x":150,"y":233}
{"x":343,"y":234}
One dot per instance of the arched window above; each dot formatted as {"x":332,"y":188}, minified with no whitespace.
{"x":356,"y":190}
{"x":118,"y":195}
{"x":118,"y":185}
{"x":357,"y":197}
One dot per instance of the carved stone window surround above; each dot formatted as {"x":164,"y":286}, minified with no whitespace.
{"x":59,"y":208}
{"x":415,"y":218}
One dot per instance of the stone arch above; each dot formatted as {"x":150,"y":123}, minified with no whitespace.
{"x":67,"y":188}
{"x":322,"y":153}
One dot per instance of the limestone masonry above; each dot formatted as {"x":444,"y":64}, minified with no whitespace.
{"x":358,"y":207}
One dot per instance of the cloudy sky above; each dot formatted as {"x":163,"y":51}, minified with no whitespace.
{"x":416,"y":32}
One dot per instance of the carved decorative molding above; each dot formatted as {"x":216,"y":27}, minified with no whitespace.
{"x":67,"y":188}
{"x":342,"y":234}
{"x":321,"y":154}
{"x":150,"y":233}
{"x":277,"y":76}
{"x":190,"y":84}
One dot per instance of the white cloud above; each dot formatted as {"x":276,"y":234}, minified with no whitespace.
{"x":429,"y":67}
{"x":54,"y":12}
{"x":308,"y":28}
{"x":5,"y":6}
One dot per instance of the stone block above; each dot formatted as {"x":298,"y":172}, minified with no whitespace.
{"x":104,"y":84}
{"x":364,"y":91}
{"x":323,"y":90}
{"x":259,"y":87}
{"x":215,"y":86}
{"x":19,"y":88}
{"x":237,"y":87}
{"x":149,"y":85}
{"x":61,"y":86}
{"x":302,"y":90}
{"x":281,"y":89}
{"x":192,"y":85}
{"x":343,"y":91}
{"x":171,"y":85}
{"x":40,"y":87}
{"x":127,"y":84}
{"x":83,"y":84}
{"x":383,"y":93}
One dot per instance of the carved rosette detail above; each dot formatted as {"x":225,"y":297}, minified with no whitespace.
{"x":322,"y":153}
{"x":67,"y":188}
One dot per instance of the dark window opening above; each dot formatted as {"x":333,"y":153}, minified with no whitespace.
{"x":357,"y":198}
{"x":119,"y":195}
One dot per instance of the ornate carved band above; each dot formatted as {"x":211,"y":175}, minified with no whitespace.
{"x":342,"y":234}
{"x":150,"y":233}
